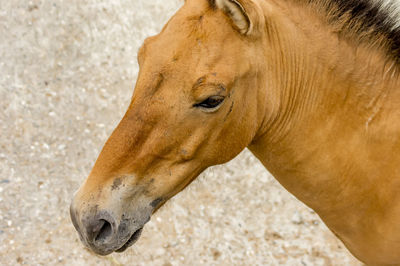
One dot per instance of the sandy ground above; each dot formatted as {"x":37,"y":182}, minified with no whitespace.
{"x":67,"y":71}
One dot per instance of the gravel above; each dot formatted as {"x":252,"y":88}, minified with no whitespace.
{"x":67,"y":72}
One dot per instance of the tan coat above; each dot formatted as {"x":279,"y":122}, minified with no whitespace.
{"x":320,"y":111}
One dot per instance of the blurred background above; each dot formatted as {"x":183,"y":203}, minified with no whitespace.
{"x":67,"y":72}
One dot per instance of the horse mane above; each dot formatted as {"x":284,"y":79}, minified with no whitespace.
{"x":370,"y":22}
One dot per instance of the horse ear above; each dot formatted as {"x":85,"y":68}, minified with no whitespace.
{"x":236,"y":11}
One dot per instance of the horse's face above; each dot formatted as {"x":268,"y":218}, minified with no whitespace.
{"x":195,"y":105}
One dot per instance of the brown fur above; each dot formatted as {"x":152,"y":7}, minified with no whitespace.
{"x":319,"y":111}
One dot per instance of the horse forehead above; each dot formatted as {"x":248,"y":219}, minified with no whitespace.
{"x":193,"y":44}
{"x":195,"y":25}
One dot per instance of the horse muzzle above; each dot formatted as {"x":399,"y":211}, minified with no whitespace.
{"x":107,"y":230}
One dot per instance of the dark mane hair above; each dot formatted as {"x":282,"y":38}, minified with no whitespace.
{"x":367,"y":21}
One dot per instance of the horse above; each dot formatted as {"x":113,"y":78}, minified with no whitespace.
{"x":310,"y":87}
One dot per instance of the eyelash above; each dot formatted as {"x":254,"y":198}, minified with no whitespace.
{"x":211,"y":102}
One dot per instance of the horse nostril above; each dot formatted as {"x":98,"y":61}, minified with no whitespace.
{"x":102,"y":231}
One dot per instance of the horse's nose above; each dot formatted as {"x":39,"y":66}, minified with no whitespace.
{"x":96,"y":230}
{"x":99,"y":231}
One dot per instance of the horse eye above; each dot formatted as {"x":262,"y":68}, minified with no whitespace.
{"x":211,"y":102}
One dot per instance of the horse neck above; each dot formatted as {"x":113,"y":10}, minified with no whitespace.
{"x":329,"y":95}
